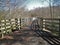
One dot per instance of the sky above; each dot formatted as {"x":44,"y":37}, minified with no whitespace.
{"x":32,"y":4}
{"x":28,"y":4}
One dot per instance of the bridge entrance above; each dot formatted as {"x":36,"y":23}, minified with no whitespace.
{"x":46,"y":28}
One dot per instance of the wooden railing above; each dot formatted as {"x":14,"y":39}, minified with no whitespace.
{"x":9,"y":25}
{"x":52,"y":25}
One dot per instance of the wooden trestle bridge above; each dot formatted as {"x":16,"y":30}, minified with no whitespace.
{"x":46,"y":28}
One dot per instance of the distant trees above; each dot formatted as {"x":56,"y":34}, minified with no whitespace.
{"x":10,"y":9}
{"x":57,"y":4}
{"x":2,"y":11}
{"x":54,"y":7}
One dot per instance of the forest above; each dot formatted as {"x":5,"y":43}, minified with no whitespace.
{"x":10,"y":9}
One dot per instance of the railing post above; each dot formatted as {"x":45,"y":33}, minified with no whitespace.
{"x":5,"y":26}
{"x":59,"y":27}
{"x":41,"y":23}
{"x":2,"y":30}
{"x":45,"y":24}
{"x":16,"y":22}
{"x":10,"y":24}
{"x":20,"y":23}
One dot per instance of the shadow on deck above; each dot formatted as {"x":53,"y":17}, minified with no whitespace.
{"x":51,"y":39}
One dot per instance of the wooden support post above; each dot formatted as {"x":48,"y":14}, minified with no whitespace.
{"x":59,"y":27}
{"x":5,"y":26}
{"x":20,"y":23}
{"x":16,"y":22}
{"x":2,"y":30}
{"x":45,"y":24}
{"x":41,"y":23}
{"x":10,"y":25}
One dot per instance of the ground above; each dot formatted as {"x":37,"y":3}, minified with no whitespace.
{"x":23,"y":38}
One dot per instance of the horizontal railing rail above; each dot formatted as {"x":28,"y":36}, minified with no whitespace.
{"x":52,"y":25}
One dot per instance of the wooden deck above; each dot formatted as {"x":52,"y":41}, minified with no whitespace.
{"x":23,"y":37}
